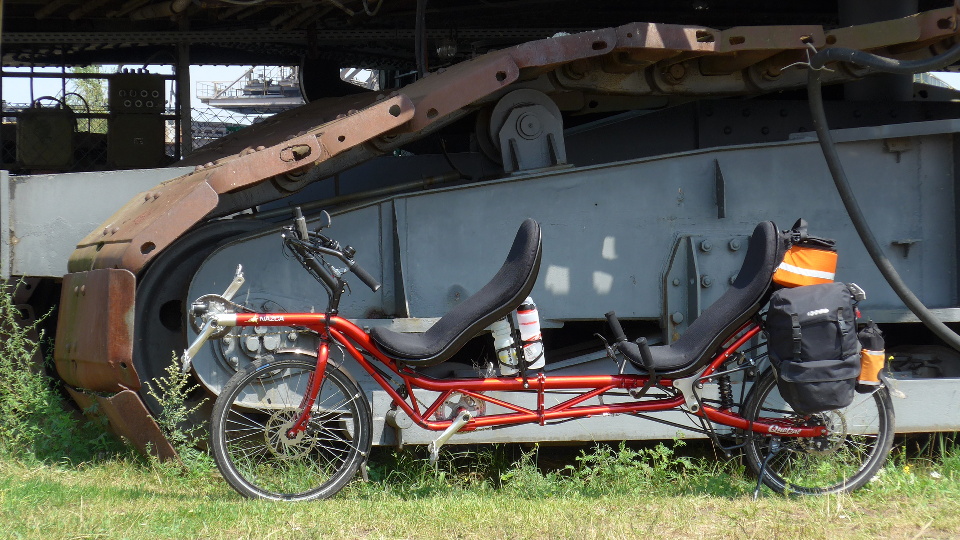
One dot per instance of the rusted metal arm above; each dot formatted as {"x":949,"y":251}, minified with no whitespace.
{"x":640,"y":60}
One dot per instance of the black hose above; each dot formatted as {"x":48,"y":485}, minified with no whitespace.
{"x":889,"y":65}
{"x":883,"y":64}
{"x":420,"y":38}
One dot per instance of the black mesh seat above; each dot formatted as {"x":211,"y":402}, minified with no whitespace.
{"x":747,"y":294}
{"x":495,"y":300}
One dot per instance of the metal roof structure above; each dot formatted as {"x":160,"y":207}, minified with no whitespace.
{"x":362,"y":33}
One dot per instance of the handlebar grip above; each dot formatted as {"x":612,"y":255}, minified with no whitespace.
{"x":615,"y":326}
{"x":301,"y":223}
{"x":645,"y":355}
{"x":365,"y":277}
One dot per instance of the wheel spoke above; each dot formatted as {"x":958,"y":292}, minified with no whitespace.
{"x":252,"y":439}
{"x":858,"y":442}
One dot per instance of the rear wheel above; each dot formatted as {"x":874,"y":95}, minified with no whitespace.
{"x":252,"y":418}
{"x":859,"y":439}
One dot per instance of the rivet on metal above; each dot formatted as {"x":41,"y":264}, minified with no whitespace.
{"x":676,"y":73}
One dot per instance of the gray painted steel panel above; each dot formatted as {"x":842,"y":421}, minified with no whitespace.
{"x":276,"y":282}
{"x":926,"y":405}
{"x":616,"y":235}
{"x":44,"y":216}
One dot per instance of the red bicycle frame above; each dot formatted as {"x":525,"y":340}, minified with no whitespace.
{"x":356,"y":342}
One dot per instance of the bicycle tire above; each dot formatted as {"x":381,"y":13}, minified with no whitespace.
{"x":257,"y":407}
{"x":860,"y":439}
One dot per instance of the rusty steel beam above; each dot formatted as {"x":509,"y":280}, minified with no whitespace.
{"x":154,"y":219}
{"x":677,"y":60}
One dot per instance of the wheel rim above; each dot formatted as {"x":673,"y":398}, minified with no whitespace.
{"x":847,"y":457}
{"x":263,"y":458}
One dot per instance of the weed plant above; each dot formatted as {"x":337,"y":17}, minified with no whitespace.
{"x":35,"y":423}
{"x":172,"y":392}
{"x":604,"y":470}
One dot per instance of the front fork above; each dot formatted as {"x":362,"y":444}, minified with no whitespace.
{"x":313,"y":389}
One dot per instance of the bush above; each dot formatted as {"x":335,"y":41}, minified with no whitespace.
{"x":172,"y":392}
{"x":34,"y":420}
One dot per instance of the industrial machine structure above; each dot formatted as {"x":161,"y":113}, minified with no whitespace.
{"x":646,"y":150}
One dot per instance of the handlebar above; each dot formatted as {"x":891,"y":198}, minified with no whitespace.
{"x":364,"y":276}
{"x":615,"y":326}
{"x":300,"y":223}
{"x":637,"y":352}
{"x":307,"y":243}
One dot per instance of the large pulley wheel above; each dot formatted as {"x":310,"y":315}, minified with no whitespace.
{"x":529,"y":113}
{"x":160,"y":321}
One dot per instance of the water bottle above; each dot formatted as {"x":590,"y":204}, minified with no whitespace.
{"x":503,"y":343}
{"x":529,"y":321}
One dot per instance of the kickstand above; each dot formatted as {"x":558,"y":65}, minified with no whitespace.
{"x":774,"y":450}
{"x":363,"y":470}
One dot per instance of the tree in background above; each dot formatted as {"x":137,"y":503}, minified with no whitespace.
{"x":88,"y":96}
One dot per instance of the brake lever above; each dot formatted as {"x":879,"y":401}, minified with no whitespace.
{"x":612,"y":353}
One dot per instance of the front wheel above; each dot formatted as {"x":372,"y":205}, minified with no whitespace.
{"x":251,"y":439}
{"x":860,"y":437}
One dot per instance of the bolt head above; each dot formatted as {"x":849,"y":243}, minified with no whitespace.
{"x":677,"y":71}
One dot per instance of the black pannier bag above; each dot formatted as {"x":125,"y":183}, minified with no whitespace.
{"x":812,"y":342}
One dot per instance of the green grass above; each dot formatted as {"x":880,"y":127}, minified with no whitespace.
{"x":62,"y":477}
{"x":131,"y":498}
